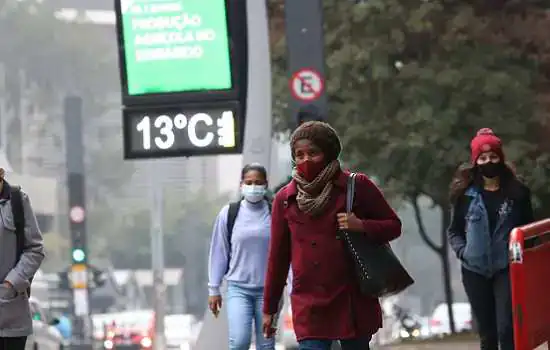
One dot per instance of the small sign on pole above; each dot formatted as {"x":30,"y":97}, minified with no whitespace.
{"x":79,"y":276}
{"x":307,"y":85}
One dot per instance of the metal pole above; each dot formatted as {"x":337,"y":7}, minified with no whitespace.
{"x":77,"y":203}
{"x":156,"y":189}
{"x":306,"y":58}
{"x":258,"y":136}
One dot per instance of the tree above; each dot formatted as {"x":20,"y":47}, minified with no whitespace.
{"x":125,"y":240}
{"x":410,"y":82}
{"x":430,"y":82}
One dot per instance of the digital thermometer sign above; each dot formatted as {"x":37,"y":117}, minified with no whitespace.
{"x":156,"y":132}
{"x":183,"y":72}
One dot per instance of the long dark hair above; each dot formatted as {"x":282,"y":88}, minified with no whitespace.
{"x":468,"y":174}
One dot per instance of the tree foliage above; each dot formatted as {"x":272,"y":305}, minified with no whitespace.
{"x":411,"y":81}
{"x":187,"y":225}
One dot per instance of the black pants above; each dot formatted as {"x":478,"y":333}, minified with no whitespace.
{"x":491,"y":300}
{"x":17,"y":343}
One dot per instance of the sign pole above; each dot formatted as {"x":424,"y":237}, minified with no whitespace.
{"x":258,"y":139}
{"x":156,"y":191}
{"x":74,"y":149}
{"x":306,"y":63}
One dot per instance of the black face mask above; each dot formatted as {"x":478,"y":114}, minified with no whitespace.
{"x":491,"y":170}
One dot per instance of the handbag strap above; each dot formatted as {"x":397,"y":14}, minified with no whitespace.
{"x":350,"y":192}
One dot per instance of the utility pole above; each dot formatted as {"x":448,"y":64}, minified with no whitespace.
{"x":156,"y":193}
{"x":74,"y":149}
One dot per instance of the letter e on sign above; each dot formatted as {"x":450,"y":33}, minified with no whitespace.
{"x":307,"y":85}
{"x":77,"y":214}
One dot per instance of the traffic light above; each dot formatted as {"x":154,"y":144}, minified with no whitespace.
{"x":79,"y":256}
{"x":308,"y":113}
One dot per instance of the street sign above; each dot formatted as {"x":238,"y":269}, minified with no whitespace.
{"x":79,"y":276}
{"x":73,"y":277}
{"x":307,"y":85}
{"x":77,"y":214}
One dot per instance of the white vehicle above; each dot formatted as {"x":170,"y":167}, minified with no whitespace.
{"x":45,"y":335}
{"x":439,"y":322}
{"x":179,"y":331}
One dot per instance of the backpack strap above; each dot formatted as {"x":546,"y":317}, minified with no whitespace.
{"x":18,"y":212}
{"x":18,"y":218}
{"x":232,"y":213}
{"x":231,"y":218}
{"x":269,"y":200}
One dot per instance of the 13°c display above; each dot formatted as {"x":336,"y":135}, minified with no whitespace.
{"x":181,"y":131}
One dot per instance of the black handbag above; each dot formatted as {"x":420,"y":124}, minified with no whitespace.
{"x":379,"y":271}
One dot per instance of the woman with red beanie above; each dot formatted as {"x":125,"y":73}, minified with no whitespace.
{"x":327,"y":304}
{"x":488,"y":202}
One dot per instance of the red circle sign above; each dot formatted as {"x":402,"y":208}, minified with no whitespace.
{"x":307,"y":85}
{"x":77,"y":214}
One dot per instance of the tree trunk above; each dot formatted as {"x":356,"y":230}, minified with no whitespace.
{"x":444,"y":254}
{"x":441,"y":250}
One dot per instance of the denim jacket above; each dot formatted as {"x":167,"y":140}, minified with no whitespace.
{"x":479,"y":249}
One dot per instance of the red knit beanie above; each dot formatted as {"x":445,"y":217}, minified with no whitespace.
{"x":486,"y":141}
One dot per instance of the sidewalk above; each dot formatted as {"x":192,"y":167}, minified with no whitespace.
{"x":435,"y":346}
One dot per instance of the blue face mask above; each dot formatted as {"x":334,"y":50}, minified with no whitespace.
{"x":253,"y":193}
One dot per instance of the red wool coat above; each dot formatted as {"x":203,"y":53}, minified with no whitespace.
{"x":326,"y":301}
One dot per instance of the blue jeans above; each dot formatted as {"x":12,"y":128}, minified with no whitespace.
{"x":244,"y":306}
{"x":323,"y":344}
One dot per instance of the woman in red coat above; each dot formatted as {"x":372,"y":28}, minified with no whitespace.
{"x":327,"y":304}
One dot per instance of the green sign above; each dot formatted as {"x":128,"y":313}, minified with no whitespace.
{"x":173,"y":46}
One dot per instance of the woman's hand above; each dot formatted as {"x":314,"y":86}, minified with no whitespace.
{"x":268,"y":326}
{"x":349,"y":222}
{"x":215,"y":304}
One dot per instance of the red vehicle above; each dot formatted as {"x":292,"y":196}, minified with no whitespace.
{"x":130,"y":331}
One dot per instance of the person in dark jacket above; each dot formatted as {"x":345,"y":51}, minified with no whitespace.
{"x":307,"y":214}
{"x":488,"y":202}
